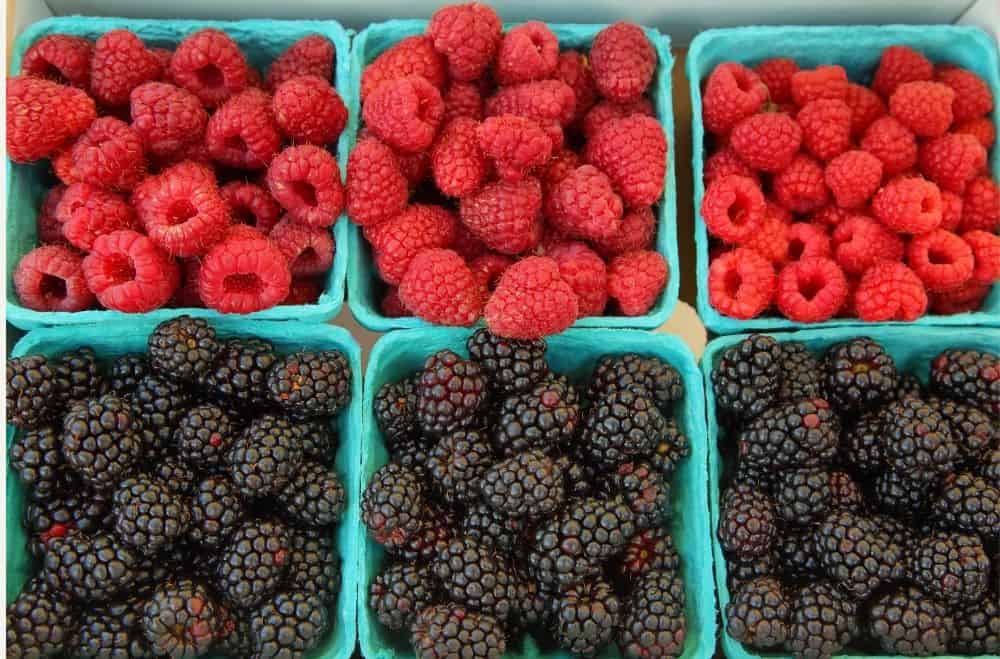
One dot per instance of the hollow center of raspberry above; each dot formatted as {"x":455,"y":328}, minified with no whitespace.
{"x":210,"y":76}
{"x":733,"y":283}
{"x":243,"y":282}
{"x":118,"y":268}
{"x":927,"y":204}
{"x":52,"y":287}
{"x":235,"y":143}
{"x":795,"y":249}
{"x":180,"y":212}
{"x":809,"y":287}
{"x":938,"y":256}
{"x":743,"y":82}
{"x":738,"y":210}
{"x":49,"y":71}
{"x":307,"y":258}
{"x":242,"y":215}
{"x":304,"y":192}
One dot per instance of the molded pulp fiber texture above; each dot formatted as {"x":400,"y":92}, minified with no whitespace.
{"x":364,"y":290}
{"x":399,"y":354}
{"x":857,"y":48}
{"x":118,"y":338}
{"x":912,"y":348}
{"x":262,"y":41}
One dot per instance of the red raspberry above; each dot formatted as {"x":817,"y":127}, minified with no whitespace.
{"x":440,"y":288}
{"x":61,"y":58}
{"x":252,"y":205}
{"x":415,"y":166}
{"x":573,"y":68}
{"x":527,"y":52}
{"x":766,"y":141}
{"x":853,"y":177}
{"x":194,"y":152}
{"x":584,"y":205}
{"x":457,"y":164}
{"x":87,"y":211}
{"x":391,"y":306}
{"x":923,"y":107}
{"x":972,"y":95}
{"x":42,"y":116}
{"x":244,"y":273}
{"x":50,"y":278}
{"x":771,"y":240}
{"x":62,"y":165}
{"x":826,"y":127}
{"x":401,"y":238}
{"x":982,"y":129}
{"x":210,"y":65}
{"x":413,"y":56}
{"x":309,"y":110}
{"x":49,"y":227}
{"x":866,"y":107}
{"x":186,"y":295}
{"x":543,"y":101}
{"x":488,"y":268}
{"x":243,"y":132}
{"x":163,"y":56}
{"x":892,"y":143}
{"x":531,"y":301}
{"x":309,"y":251}
{"x":506,"y":216}
{"x":405,"y":113}
{"x":827,"y":83}
{"x":900,"y":64}
{"x":633,"y":153}
{"x":780,"y":212}
{"x":777,"y":74}
{"x":584,"y":271}
{"x":462,"y":99}
{"x":952,"y":160}
{"x":559,"y":166}
{"x":623,"y":62}
{"x":801,"y":187}
{"x":889,"y":291}
{"x":128,"y":272}
{"x":309,"y":56}
{"x":829,"y":216}
{"x":605,"y":111}
{"x":940,"y":259}
{"x":468,"y":36}
{"x":963,"y":299}
{"x":733,"y":209}
{"x":741,"y":283}
{"x":305,"y":180}
{"x":908,"y":205}
{"x":121,"y":62}
{"x":110,"y":155}
{"x":860,"y":241}
{"x":181,"y":209}
{"x":167,"y":118}
{"x":951,"y":210}
{"x":376,"y":188}
{"x":638,"y":232}
{"x":467,"y":245}
{"x":636,"y":279}
{"x":516,"y":145}
{"x":986,"y":254}
{"x":732,"y":92}
{"x":725,"y":162}
{"x":981,"y":205}
{"x":807,"y":241}
{"x":811,"y":290}
{"x":303,"y":290}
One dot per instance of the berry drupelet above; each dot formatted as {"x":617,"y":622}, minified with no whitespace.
{"x":126,"y":372}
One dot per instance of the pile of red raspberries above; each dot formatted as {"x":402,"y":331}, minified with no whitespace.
{"x":187,"y":178}
{"x":498,"y":177}
{"x":826,"y":198}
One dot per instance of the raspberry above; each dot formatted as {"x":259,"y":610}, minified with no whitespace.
{"x":982,"y":129}
{"x":732,"y":93}
{"x":543,"y":100}
{"x":829,"y":216}
{"x":963,"y":299}
{"x":163,"y":56}
{"x":61,"y":58}
{"x":308,"y":251}
{"x":195,"y":152}
{"x":853,"y":177}
{"x":62,"y":165}
{"x":780,"y":212}
{"x":801,"y":187}
{"x":128,"y":272}
{"x":415,"y":166}
{"x":723,"y":163}
{"x":633,"y":153}
{"x":637,"y":232}
{"x":623,"y":62}
{"x":986,"y":255}
{"x":972,"y":95}
{"x":527,"y":52}
{"x":828,"y":83}
{"x":889,"y":291}
{"x":636,"y":279}
{"x":585,"y":272}
{"x":110,"y":155}
{"x":462,"y":99}
{"x":940,"y":259}
{"x":951,"y":210}
{"x":121,"y":62}
{"x":559,"y":166}
{"x":181,"y":209}
{"x":167,"y":118}
{"x":467,"y":245}
{"x":505,"y":216}
{"x":923,"y":107}
{"x":401,"y":238}
{"x":952,"y":160}
{"x":908,"y":205}
{"x":898,"y":65}
{"x":305,"y":180}
{"x":584,"y":205}
{"x":892,"y":143}
{"x":866,"y":107}
{"x":42,"y":116}
{"x":468,"y":35}
{"x":50,"y":278}
{"x":187,"y":295}
{"x":405,"y":113}
{"x":807,"y":241}
{"x":87,"y":211}
{"x":573,"y":68}
{"x":981,"y":205}
{"x":516,"y":145}
{"x":741,"y":283}
{"x":439,"y":287}
{"x":252,"y":205}
{"x":826,"y":127}
{"x":531,"y":301}
{"x":733,"y":208}
{"x":210,"y":65}
{"x":605,"y":111}
{"x":308,"y":109}
{"x":50,"y":229}
{"x":860,"y":241}
{"x":777,"y":74}
{"x":771,"y":240}
{"x":309,"y":56}
{"x":376,"y":188}
{"x":243,"y":273}
{"x":811,"y":290}
{"x":243,"y":132}
{"x":488,"y":268}
{"x":413,"y":56}
{"x":303,"y":290}
{"x":391,"y":306}
{"x":766,"y":141}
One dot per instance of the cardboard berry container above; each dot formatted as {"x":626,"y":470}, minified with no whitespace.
{"x":398,"y":354}
{"x":262,"y":41}
{"x":363,"y":283}
{"x":857,"y":48}
{"x":911,"y":348}
{"x":118,"y":338}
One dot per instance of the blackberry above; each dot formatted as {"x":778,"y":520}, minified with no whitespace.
{"x":318,"y":440}
{"x":239,"y":373}
{"x":758,"y":613}
{"x":527,"y":485}
{"x":491,"y":528}
{"x":179,"y":477}
{"x":578,"y":478}
{"x":859,"y":374}
{"x":216,"y":510}
{"x":100,"y":440}
{"x":747,"y":378}
{"x":908,"y":622}
{"x":183,"y":347}
{"x":802,"y":496}
{"x":586,"y":616}
{"x":456,"y":462}
{"x":512,"y":365}
{"x":546,"y":415}
{"x":977,"y":628}
{"x":126,"y":371}
{"x":952,"y":567}
{"x":861,"y":443}
{"x":265,"y":457}
{"x":314,"y":496}
{"x":436,"y":529}
{"x":918,"y":441}
{"x":36,"y":455}
{"x":35,"y":394}
{"x":531,"y":605}
{"x":652,"y":549}
{"x":440,"y":631}
{"x":401,"y":591}
{"x":113,"y":632}
{"x":159,"y":405}
{"x":289,"y":624}
{"x":973,"y":430}
{"x":804,"y":433}
{"x":450,"y":393}
{"x":661,"y":381}
{"x":645,"y":490}
{"x":896,"y":530}
{"x":476,"y":576}
{"x":761,"y":479}
{"x":309,"y":384}
{"x":898,"y":494}
{"x":413,"y":454}
{"x":797,"y":559}
{"x":395,"y":410}
{"x":622,"y":424}
{"x":823,"y":621}
{"x":742,"y":570}
{"x":908,"y":385}
{"x":801,"y":373}
{"x":314,"y":565}
{"x":181,"y":619}
{"x":39,"y":625}
{"x":845,"y":493}
{"x":989,"y":468}
{"x":671,"y":449}
{"x":855,"y":554}
{"x":392,"y":504}
{"x":203,"y":435}
{"x":235,"y":636}
{"x":654,"y":624}
{"x":253,"y":563}
{"x":968,"y":375}
{"x":90,"y":568}
{"x":746,"y":522}
{"x":82,"y":375}
{"x":969,"y":503}
{"x":52,"y":518}
{"x":148,"y":515}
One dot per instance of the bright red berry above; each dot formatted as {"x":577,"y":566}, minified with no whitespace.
{"x":806,"y":241}
{"x":110,"y":155}
{"x":866,"y":107}
{"x":467,"y":245}
{"x":811,"y":290}
{"x":821,"y":83}
{"x":50,"y":278}
{"x":723,"y":163}
{"x":623,"y":62}
{"x":405,"y":113}
{"x":860,"y":241}
{"x":826,"y":127}
{"x":573,"y":68}
{"x":801,"y":187}
{"x":853,"y":177}
{"x":488,"y":268}
{"x":243,"y":132}
{"x":890,"y":291}
{"x":771,"y":240}
{"x":981,"y":205}
{"x":585,"y":272}
{"x":129,"y":273}
{"x":732,"y":93}
{"x":531,"y":301}
{"x":376,"y":188}
{"x":559,"y":166}
{"x":181,"y":209}
{"x":636,"y":279}
{"x":462,"y":99}
{"x":584,"y":205}
{"x":87,"y":211}
{"x":892,"y":143}
{"x":741,"y":283}
{"x":972,"y":95}
{"x":543,"y":100}
{"x":951,"y":210}
{"x":167,"y":118}
{"x":908,"y":205}
{"x":305,"y":180}
{"x":829,"y":216}
{"x":439,"y":287}
{"x":952,"y":160}
{"x":244,"y":273}
{"x":309,"y":251}
{"x":605,"y":111}
{"x":982,"y":129}
{"x":61,"y":58}
{"x":633,"y":153}
{"x":637,"y":232}
{"x":923,"y":107}
{"x":210,"y":65}
{"x":308,"y":109}
{"x":986,"y":254}
{"x":777,"y":74}
{"x":898,"y":65}
{"x":468,"y":35}
{"x":252,"y":205}
{"x":313,"y":55}
{"x":940,"y":259}
{"x":413,"y":56}
{"x":304,"y":290}
{"x":399,"y":239}
{"x":42,"y":116}
{"x":516,"y":145}
{"x":733,"y":208}
{"x":506,"y":216}
{"x":766,"y":141}
{"x":48,"y":225}
{"x":527,"y":52}
{"x":121,"y":62}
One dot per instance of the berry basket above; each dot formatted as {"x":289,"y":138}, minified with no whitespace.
{"x":362,"y":281}
{"x":573,"y":353}
{"x":118,"y":338}
{"x":911,"y":348}
{"x":262,"y":41}
{"x":859,"y":54}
